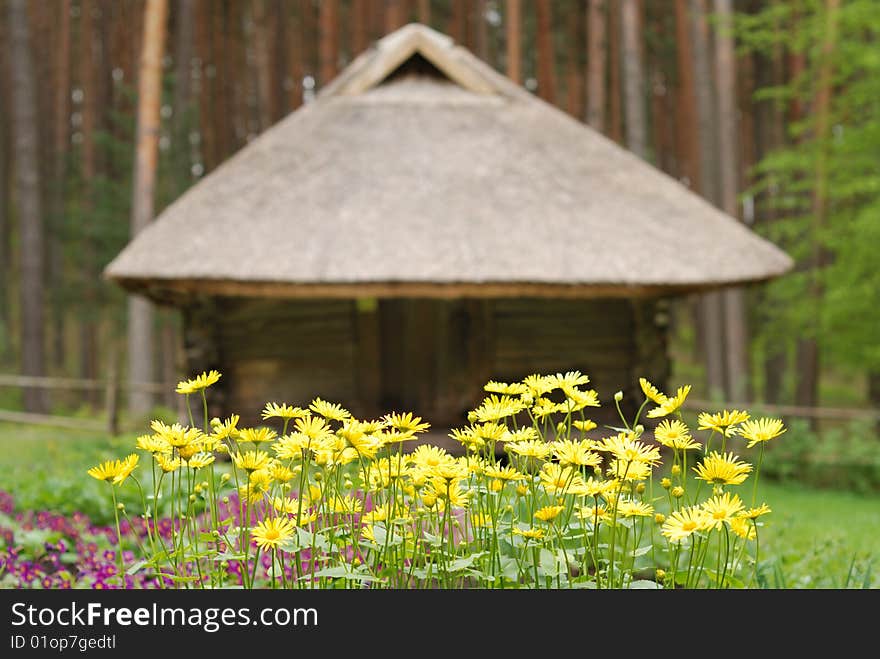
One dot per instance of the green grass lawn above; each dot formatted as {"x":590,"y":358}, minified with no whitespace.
{"x":812,"y":539}
{"x":818,"y":536}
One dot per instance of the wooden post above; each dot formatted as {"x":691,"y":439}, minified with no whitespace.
{"x":368,"y":357}
{"x":111,"y":394}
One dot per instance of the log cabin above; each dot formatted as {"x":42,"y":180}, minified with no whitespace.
{"x":425,"y":225}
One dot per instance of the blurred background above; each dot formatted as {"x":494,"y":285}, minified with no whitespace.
{"x":767,"y":108}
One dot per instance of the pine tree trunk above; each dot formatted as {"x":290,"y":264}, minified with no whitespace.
{"x":30,"y":213}
{"x":574,"y":85}
{"x":711,"y":309}
{"x":296,"y":71}
{"x":633,"y":78}
{"x":688,"y":155}
{"x":874,"y":395}
{"x":514,"y":40}
{"x":61,"y":151}
{"x":458,"y":22}
{"x":615,"y":115}
{"x":140,"y":310}
{"x":360,"y":26}
{"x":183,"y":53}
{"x":89,"y":311}
{"x":329,"y":41}
{"x":597,"y":23}
{"x":769,"y":136}
{"x":546,"y":64}
{"x":808,"y":361}
{"x":480,"y":30}
{"x":5,"y":196}
{"x":262,"y":45}
{"x":735,"y":330}
{"x":424,"y":12}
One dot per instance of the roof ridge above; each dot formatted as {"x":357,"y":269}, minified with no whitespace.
{"x":385,"y":55}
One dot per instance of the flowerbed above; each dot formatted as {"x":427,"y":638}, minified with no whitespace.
{"x":320,"y":499}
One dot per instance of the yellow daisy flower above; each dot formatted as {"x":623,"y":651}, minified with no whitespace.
{"x":535,"y":448}
{"x":407,"y":423}
{"x":538,"y":384}
{"x":250,"y":460}
{"x":548,"y":513}
{"x":200,"y":460}
{"x":671,"y":404}
{"x":257,"y":435}
{"x":724,"y":469}
{"x":153,"y":444}
{"x":571,"y":452}
{"x":166,"y":463}
{"x":761,"y":430}
{"x":675,"y":434}
{"x":226,"y":429}
{"x":313,"y":427}
{"x":626,"y":449}
{"x":513,"y":389}
{"x":115,"y":471}
{"x":584,"y":426}
{"x":682,"y":524}
{"x":722,"y":508}
{"x":270,"y":533}
{"x":743,"y":527}
{"x":330,"y":411}
{"x":198,"y":383}
{"x":724,"y":422}
{"x":495,"y":408}
{"x":504,"y":473}
{"x":531,"y":534}
{"x":652,"y":393}
{"x":632,"y":508}
{"x":556,"y":479}
{"x":283,"y":411}
{"x":754,"y":513}
{"x":524,"y":434}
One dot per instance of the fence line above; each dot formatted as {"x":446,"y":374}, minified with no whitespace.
{"x":75,"y":383}
{"x":845,"y":413}
{"x":110,"y":385}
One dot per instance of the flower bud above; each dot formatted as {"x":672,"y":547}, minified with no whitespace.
{"x":618,"y":396}
{"x":659,"y":518}
{"x":522,"y":490}
{"x":676,"y":470}
{"x":225,"y":477}
{"x":660,"y":575}
{"x":496,"y":485}
{"x":677,"y":491}
{"x":665,"y":483}
{"x":120,"y":506}
{"x":640,"y":488}
{"x":318,"y":476}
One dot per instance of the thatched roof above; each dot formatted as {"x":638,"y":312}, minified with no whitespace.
{"x":421,"y":171}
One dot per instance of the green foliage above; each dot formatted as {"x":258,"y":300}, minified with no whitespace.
{"x":844,"y":163}
{"x":43,"y":468}
{"x":842,"y":459}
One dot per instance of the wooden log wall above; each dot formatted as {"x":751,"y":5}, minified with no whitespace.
{"x":613,"y":341}
{"x":429,"y":357}
{"x":285,"y":352}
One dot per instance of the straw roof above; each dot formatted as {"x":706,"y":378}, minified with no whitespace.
{"x":421,"y":171}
